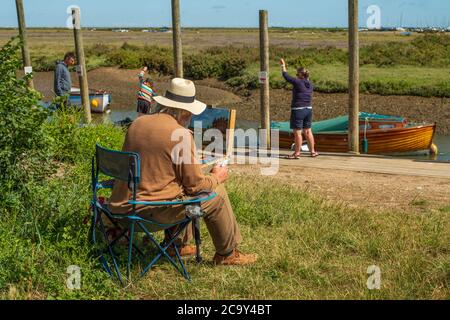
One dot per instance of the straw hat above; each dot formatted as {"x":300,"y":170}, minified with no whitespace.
{"x":181,"y":95}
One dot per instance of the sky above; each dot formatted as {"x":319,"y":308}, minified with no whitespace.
{"x":229,"y":13}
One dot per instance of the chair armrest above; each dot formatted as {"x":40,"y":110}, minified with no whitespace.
{"x":107,"y":184}
{"x":197,"y":199}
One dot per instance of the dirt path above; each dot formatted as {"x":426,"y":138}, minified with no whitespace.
{"x":364,"y":190}
{"x":123,"y":83}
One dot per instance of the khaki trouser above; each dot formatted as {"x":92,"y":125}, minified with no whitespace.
{"x":219,"y":219}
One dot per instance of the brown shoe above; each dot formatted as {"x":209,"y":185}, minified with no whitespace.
{"x":184,"y":251}
{"x":236,"y":258}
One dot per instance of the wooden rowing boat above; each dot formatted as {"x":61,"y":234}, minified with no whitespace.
{"x":381,"y":141}
{"x":384,"y":134}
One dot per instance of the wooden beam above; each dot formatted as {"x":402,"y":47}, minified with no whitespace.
{"x":81,"y":61}
{"x":177,"y":45}
{"x":353,"y":39}
{"x":23,"y":37}
{"x":264,"y":61}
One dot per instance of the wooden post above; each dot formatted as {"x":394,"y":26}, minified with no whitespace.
{"x":353,"y":85}
{"x":23,"y":36}
{"x":81,"y":67}
{"x":177,"y":46}
{"x":264,"y":75}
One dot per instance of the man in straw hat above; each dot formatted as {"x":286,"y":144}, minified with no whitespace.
{"x":167,"y":174}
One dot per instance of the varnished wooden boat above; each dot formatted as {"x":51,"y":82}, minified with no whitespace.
{"x":385,"y":135}
{"x":381,"y":141}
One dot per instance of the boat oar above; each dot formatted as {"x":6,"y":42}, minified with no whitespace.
{"x":365,"y":143}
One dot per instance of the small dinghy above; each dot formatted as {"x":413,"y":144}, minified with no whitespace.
{"x":98,"y":99}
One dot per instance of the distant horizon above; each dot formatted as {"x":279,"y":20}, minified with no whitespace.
{"x":232,"y":14}
{"x":250,"y":28}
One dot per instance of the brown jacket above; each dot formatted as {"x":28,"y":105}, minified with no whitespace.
{"x":161,"y":179}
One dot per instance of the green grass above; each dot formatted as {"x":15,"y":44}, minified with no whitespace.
{"x":417,"y":65}
{"x":420,"y":203}
{"x":445,"y":209}
{"x":394,"y":80}
{"x":308,"y":248}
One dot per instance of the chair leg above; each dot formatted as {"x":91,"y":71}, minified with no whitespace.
{"x":180,"y":260}
{"x":198,"y":239}
{"x":93,"y":235}
{"x":162,"y":251}
{"x":111,"y":252}
{"x":173,"y":238}
{"x":130,"y":248}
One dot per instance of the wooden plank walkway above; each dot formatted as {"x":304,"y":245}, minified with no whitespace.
{"x":363,"y":163}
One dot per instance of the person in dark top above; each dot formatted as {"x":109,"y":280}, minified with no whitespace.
{"x":62,"y":80}
{"x":301,"y":109}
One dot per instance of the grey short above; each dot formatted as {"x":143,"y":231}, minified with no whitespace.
{"x":301,"y":119}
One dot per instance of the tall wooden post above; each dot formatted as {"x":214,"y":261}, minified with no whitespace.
{"x":177,"y":46}
{"x":264,"y":75}
{"x":81,"y":67}
{"x":353,"y":112}
{"x":23,"y":36}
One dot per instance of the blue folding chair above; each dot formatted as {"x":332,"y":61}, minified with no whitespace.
{"x":125,"y":166}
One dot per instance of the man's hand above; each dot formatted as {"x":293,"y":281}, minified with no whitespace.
{"x":221,"y":173}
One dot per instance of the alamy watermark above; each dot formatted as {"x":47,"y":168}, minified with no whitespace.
{"x":71,"y":23}
{"x":374,"y":19}
{"x":374,"y":280}
{"x":73,"y":281}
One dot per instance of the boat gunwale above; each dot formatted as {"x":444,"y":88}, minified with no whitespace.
{"x":417,"y":126}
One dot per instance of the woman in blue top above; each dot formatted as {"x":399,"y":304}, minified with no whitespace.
{"x":301,"y":109}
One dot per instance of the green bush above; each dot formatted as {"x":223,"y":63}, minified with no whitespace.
{"x":246,"y":81}
{"x":24,"y":147}
{"x":44,"y":63}
{"x":232,"y":66}
{"x":198,"y":67}
{"x":42,"y":230}
{"x":132,"y":57}
{"x":402,"y":87}
{"x":328,"y":86}
{"x":215,"y":63}
{"x":73,"y":142}
{"x":127,"y":59}
{"x":429,"y":50}
{"x":99,"y":49}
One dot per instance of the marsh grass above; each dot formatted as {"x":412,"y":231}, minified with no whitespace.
{"x":417,"y":66}
{"x":332,"y":78}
